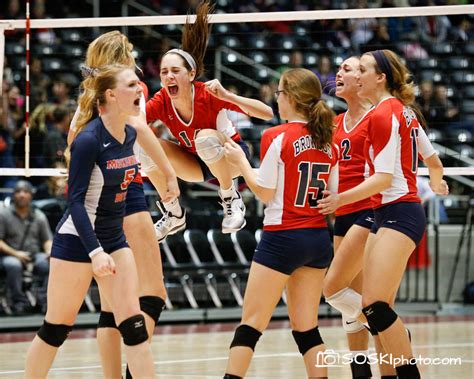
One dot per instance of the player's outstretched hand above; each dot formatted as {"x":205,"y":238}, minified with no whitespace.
{"x":233,"y":152}
{"x":103,"y":264}
{"x":329,"y":203}
{"x":441,"y":189}
{"x":215,"y":88}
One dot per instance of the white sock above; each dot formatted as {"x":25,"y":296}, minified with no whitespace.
{"x":225,"y":193}
{"x":174,"y":207}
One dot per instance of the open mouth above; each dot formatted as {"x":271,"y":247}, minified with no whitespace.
{"x":339,"y":84}
{"x":173,"y":89}
{"x":137,"y":102}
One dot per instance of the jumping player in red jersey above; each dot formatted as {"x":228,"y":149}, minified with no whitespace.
{"x":114,"y":47}
{"x":90,"y":241}
{"x":394,"y":142}
{"x":298,"y":162}
{"x":195,"y":113}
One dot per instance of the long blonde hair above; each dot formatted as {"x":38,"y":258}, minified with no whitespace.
{"x":109,"y":48}
{"x":92,"y":96}
{"x":303,"y":87}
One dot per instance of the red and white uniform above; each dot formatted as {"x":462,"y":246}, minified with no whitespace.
{"x":209,"y":112}
{"x":353,"y":168}
{"x":394,"y":141}
{"x":299,"y":172}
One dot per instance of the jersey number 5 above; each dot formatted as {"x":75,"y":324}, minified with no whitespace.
{"x":310,"y":185}
{"x":128,"y":178}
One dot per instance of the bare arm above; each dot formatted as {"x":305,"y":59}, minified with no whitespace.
{"x":435,"y":169}
{"x":254,"y":108}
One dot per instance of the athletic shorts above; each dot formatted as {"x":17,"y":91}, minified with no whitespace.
{"x":407,"y":218}
{"x":206,"y":172}
{"x":135,"y":201}
{"x":287,"y":250}
{"x":69,"y":247}
{"x":364,"y":218}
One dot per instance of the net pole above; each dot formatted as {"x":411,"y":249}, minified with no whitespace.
{"x":27,"y":91}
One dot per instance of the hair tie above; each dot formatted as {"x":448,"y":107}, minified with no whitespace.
{"x":87,"y":71}
{"x":185,"y":55}
{"x":384,"y":65}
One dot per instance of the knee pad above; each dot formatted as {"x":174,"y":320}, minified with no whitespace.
{"x":146,"y":163}
{"x":347,"y":301}
{"x":209,"y":149}
{"x":307,"y":340}
{"x":351,"y":325}
{"x":245,"y":335}
{"x":230,"y":376}
{"x":133,"y":330}
{"x":380,"y":316}
{"x":54,"y":334}
{"x":106,"y":320}
{"x":152,"y":306}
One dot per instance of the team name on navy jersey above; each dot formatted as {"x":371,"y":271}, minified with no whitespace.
{"x":305,"y":143}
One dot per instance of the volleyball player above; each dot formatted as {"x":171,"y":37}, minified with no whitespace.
{"x":114,"y":47}
{"x":298,"y":162}
{"x":394,"y":140}
{"x":195,"y":113}
{"x":90,"y":241}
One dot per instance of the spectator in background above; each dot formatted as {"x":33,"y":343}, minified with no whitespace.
{"x":432,"y":29}
{"x":25,"y":243}
{"x":380,"y":39}
{"x":296,"y":61}
{"x":443,"y":110}
{"x":425,"y":99}
{"x":361,"y":28}
{"x":326,"y":75}
{"x":6,"y":133}
{"x":61,"y":91}
{"x":55,"y":141}
{"x":39,"y":83}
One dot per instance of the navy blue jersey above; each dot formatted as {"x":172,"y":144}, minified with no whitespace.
{"x":100,"y":171}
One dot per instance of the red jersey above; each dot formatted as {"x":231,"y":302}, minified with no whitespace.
{"x":353,"y":168}
{"x":394,"y":141}
{"x":299,"y":172}
{"x":208,"y":113}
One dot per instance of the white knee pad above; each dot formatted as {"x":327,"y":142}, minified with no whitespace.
{"x":209,"y":148}
{"x":351,"y":325}
{"x":347,"y":301}
{"x":146,"y":163}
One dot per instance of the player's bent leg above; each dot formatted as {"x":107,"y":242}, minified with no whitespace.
{"x":303,"y":313}
{"x":67,"y":286}
{"x":256,"y":313}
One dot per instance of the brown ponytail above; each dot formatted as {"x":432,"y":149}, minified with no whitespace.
{"x":400,"y":84}
{"x":304,"y":90}
{"x":196,"y":35}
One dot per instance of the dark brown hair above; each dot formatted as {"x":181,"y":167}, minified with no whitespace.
{"x":303,"y":88}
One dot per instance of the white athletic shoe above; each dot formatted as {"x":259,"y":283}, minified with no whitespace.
{"x":234,"y":214}
{"x":169,"y":224}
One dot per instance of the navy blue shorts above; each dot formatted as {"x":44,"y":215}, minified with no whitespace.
{"x":287,"y":250}
{"x":206,"y":172}
{"x":69,"y":247}
{"x":364,"y":218}
{"x":407,"y":218}
{"x":135,"y":201}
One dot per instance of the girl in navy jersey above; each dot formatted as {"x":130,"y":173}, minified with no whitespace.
{"x":394,"y":141}
{"x":89,"y":240}
{"x":114,"y":47}
{"x":298,"y":162}
{"x":195,"y":113}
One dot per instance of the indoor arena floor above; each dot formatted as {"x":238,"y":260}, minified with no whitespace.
{"x":200,"y":350}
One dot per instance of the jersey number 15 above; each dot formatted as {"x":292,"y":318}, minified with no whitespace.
{"x":311,"y":186}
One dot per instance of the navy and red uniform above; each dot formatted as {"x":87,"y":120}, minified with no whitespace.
{"x":353,"y":170}
{"x":100,"y":172}
{"x":295,"y":234}
{"x":209,"y":112}
{"x":395,"y":141}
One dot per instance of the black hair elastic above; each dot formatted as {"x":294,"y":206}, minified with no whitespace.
{"x":384,"y":65}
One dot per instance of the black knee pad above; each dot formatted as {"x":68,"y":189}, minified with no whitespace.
{"x":133,"y":330}
{"x":106,"y":320}
{"x":307,"y":340}
{"x":54,"y":334}
{"x":230,"y":376}
{"x":380,"y":316}
{"x":152,"y":306}
{"x":245,"y":335}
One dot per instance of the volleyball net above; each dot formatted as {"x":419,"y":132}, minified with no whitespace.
{"x":247,"y":52}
